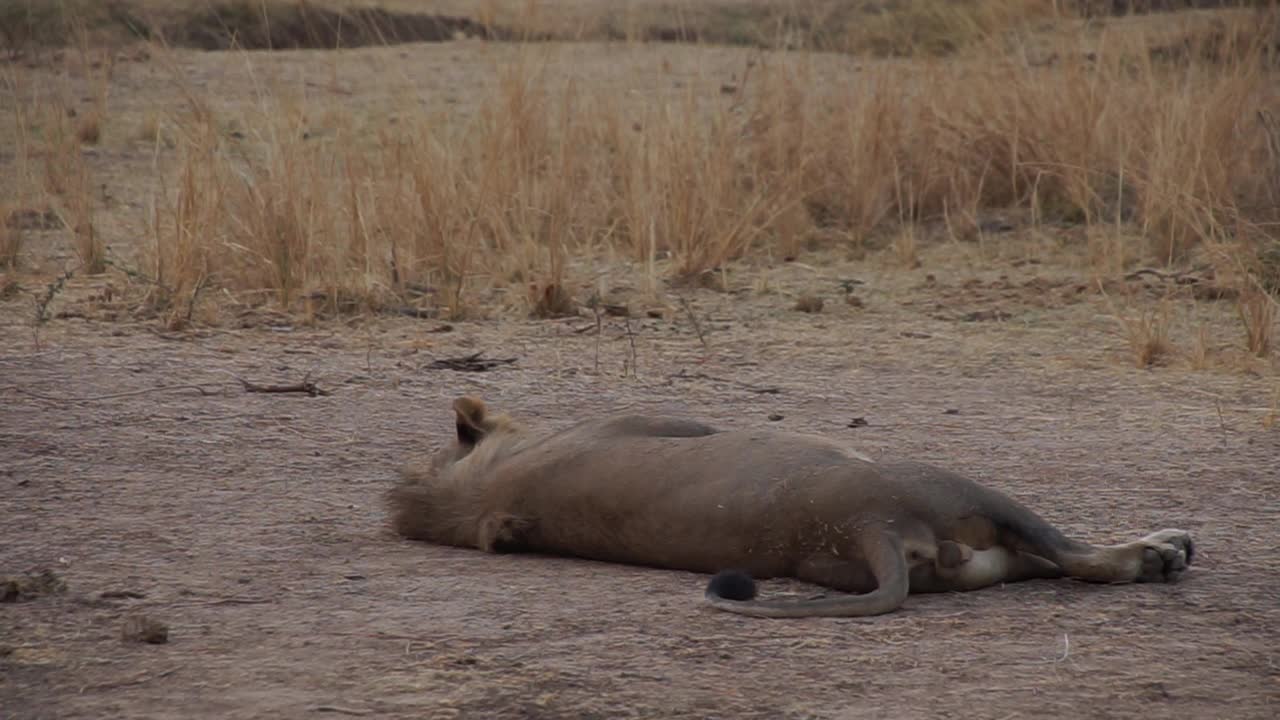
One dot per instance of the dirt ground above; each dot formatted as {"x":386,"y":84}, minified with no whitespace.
{"x":136,"y":469}
{"x":251,"y":523}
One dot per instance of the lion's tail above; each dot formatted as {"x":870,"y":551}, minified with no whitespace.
{"x":735,"y":591}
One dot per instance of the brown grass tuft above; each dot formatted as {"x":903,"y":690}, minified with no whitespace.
{"x":1257,"y":310}
{"x":1202,"y":348}
{"x":10,"y":239}
{"x":551,"y":301}
{"x":89,"y":130}
{"x":1146,"y":329}
{"x":906,"y":247}
{"x":1148,"y":333}
{"x":809,"y":304}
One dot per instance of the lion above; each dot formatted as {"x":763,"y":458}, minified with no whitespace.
{"x":742,"y":505}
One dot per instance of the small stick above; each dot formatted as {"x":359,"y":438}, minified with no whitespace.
{"x":112,"y":396}
{"x":340,"y":710}
{"x":1222,"y":421}
{"x":137,"y":680}
{"x":306,"y":386}
{"x":195,"y":295}
{"x":596,"y":309}
{"x":697,"y":326}
{"x":227,"y":601}
{"x":635,"y":369}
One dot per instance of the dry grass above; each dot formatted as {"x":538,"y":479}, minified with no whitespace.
{"x":10,"y":239}
{"x":905,"y":247}
{"x":904,"y":28}
{"x":1257,"y":311}
{"x":66,"y":179}
{"x":1201,"y":354}
{"x":89,"y":130}
{"x":1155,"y":155}
{"x":927,"y":27}
{"x":1147,"y":332}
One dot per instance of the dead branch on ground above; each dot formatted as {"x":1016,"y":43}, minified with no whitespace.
{"x":305,"y":386}
{"x":470,"y":363}
{"x":112,"y":396}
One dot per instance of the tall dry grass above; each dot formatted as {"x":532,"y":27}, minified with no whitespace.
{"x":49,"y":136}
{"x":1257,"y":311}
{"x":10,"y":239}
{"x":436,"y":208}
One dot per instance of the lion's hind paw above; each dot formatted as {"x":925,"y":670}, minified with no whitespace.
{"x":1166,"y":555}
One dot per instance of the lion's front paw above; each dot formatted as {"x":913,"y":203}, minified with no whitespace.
{"x":1165,"y":555}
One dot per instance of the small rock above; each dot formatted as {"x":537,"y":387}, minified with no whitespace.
{"x":853,"y":301}
{"x":809,"y":304}
{"x":858,"y":422}
{"x":774,"y":417}
{"x":140,"y":628}
{"x":951,"y":411}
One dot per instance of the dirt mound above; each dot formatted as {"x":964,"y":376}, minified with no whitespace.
{"x":282,"y":26}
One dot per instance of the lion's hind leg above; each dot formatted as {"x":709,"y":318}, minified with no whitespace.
{"x":1161,"y":556}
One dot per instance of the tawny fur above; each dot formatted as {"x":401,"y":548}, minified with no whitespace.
{"x":675,"y":493}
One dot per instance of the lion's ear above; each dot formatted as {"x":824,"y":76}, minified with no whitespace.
{"x":470,"y":420}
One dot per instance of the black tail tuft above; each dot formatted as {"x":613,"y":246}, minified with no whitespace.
{"x":732,"y":585}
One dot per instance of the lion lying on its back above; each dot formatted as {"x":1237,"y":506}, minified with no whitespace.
{"x":678,"y":494}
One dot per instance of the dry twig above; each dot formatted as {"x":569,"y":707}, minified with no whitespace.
{"x":631,"y":338}
{"x":340,"y":710}
{"x":697,"y":326}
{"x":112,"y":396}
{"x":469,"y":363}
{"x":136,"y":680}
{"x":305,"y":386}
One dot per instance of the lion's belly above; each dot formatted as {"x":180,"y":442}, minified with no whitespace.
{"x":687,"y":504}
